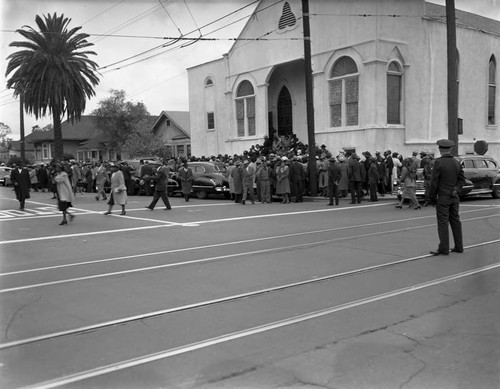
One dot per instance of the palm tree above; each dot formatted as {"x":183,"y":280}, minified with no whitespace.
{"x":50,"y":74}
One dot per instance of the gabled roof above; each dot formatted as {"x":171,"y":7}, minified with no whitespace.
{"x":84,"y":129}
{"x":15,"y":145}
{"x":180,"y":119}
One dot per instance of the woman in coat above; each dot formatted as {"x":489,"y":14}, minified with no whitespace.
{"x":118,"y":194}
{"x":186,"y":177}
{"x":373,"y":178}
{"x":283,"y":180}
{"x":344,"y":180}
{"x":408,"y":180}
{"x":65,"y":196}
{"x":237,"y":174}
{"x":230,"y":178}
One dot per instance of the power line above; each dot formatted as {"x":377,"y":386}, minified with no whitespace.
{"x":198,"y":39}
{"x":163,"y":45}
{"x":103,"y":12}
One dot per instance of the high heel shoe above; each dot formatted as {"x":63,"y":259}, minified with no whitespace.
{"x":399,"y":206}
{"x":107,"y":213}
{"x":63,"y":223}
{"x":123,"y":213}
{"x":418,"y":207}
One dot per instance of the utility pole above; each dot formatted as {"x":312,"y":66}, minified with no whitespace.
{"x":309,"y":98}
{"x":21,"y":126}
{"x":451,"y":34}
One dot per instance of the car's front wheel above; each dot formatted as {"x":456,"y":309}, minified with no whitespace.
{"x":201,"y":194}
{"x":496,"y":192}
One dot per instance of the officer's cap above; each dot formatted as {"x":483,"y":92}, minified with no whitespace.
{"x":445,"y":143}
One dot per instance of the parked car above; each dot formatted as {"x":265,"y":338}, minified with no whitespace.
{"x":208,"y":178}
{"x":5,"y":175}
{"x":482,"y":176}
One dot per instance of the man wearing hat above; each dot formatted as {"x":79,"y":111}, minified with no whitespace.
{"x":297,"y":178}
{"x":355,"y":174}
{"x":20,"y":178}
{"x":248,"y":176}
{"x":447,"y":179}
{"x":334,"y":176}
{"x":161,"y":186}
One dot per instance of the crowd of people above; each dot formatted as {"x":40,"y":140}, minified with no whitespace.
{"x":278,"y":167}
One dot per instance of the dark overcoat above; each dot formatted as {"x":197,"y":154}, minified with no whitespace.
{"x":22,"y":183}
{"x":237,"y":174}
{"x":186,"y":178}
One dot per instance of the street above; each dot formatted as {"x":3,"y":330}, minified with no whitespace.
{"x":213,"y":294}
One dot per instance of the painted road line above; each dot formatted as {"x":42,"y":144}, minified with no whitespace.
{"x":224,"y":244}
{"x":195,"y":223}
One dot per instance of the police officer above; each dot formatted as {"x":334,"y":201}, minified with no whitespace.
{"x":447,"y":179}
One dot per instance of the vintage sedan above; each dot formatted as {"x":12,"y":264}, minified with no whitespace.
{"x":482,"y":176}
{"x":5,"y":175}
{"x":208,"y":178}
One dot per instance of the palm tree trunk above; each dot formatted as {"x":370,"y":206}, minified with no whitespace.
{"x":58,"y":141}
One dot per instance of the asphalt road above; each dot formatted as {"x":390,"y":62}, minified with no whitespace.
{"x":214,"y":295}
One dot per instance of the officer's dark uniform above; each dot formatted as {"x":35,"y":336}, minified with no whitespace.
{"x":447,"y":180}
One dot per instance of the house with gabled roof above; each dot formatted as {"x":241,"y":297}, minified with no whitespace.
{"x":83,"y":139}
{"x":13,"y":149}
{"x":174,"y":129}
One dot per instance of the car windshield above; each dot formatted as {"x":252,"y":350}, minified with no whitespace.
{"x":219,"y":168}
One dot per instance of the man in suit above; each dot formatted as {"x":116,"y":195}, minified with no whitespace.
{"x":356,"y":175}
{"x":248,"y":179}
{"x":161,"y":181}
{"x":297,"y":178}
{"x":146,"y":174}
{"x":20,"y":178}
{"x":334,"y":176}
{"x":447,"y":179}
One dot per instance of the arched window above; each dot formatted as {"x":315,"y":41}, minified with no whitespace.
{"x":285,"y":116}
{"x":394,"y":92}
{"x":210,"y":103}
{"x":245,"y":109}
{"x":492,"y":87}
{"x":344,"y":93}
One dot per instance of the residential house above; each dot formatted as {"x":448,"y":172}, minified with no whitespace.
{"x":13,"y":148}
{"x":82,"y":139}
{"x":173,"y":127}
{"x":379,"y":75}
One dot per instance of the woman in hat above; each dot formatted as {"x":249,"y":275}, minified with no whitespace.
{"x":118,"y":193}
{"x":65,"y":196}
{"x":283,"y":180}
{"x":408,"y":179}
{"x":186,"y":177}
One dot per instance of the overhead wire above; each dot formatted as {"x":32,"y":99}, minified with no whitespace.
{"x":196,"y":39}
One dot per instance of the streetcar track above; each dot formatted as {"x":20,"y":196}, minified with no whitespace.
{"x":232,"y":243}
{"x":217,"y":258}
{"x":130,"y":319}
{"x":137,"y":361}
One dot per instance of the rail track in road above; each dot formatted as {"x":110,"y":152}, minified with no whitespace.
{"x":261,"y":297}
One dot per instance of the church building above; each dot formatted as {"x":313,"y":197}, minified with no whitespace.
{"x":379,"y":70}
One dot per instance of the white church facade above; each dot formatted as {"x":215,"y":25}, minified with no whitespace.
{"x":379,"y":70}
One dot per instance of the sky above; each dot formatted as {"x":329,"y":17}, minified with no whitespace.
{"x":127,"y":37}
